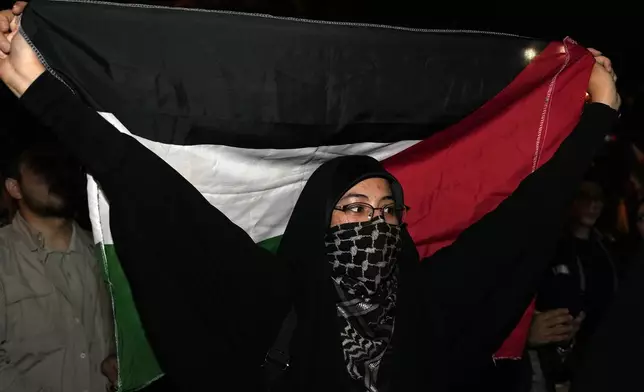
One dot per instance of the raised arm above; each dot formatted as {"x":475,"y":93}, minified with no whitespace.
{"x":487,"y":278}
{"x":210,"y":300}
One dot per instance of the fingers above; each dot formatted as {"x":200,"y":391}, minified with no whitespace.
{"x":551,"y":338}
{"x":5,"y":27}
{"x":19,"y":7}
{"x":554,"y":313}
{"x":554,"y":317}
{"x":554,"y":326}
{"x":15,"y":24}
{"x":559,"y":333}
{"x":5,"y":45}
{"x":10,"y":36}
{"x":594,"y":52}
{"x":560,"y":320}
{"x":604,"y":62}
{"x":9,"y":23}
{"x":5,"y":18}
{"x":561,"y":329}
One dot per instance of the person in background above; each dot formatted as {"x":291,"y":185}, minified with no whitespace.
{"x":55,"y":314}
{"x":576,"y":290}
{"x":632,"y":246}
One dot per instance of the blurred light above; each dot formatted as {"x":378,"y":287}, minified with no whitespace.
{"x":530,"y":53}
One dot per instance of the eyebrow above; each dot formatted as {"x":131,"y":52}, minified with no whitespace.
{"x":361,"y":196}
{"x":354,"y":195}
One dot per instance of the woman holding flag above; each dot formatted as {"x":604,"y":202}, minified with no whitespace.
{"x":370,"y":316}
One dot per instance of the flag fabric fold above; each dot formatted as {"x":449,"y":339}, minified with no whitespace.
{"x":246,"y":107}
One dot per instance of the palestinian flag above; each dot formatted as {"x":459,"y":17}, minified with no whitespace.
{"x":246,"y":107}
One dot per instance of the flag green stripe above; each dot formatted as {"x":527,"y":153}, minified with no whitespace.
{"x":271,"y":244}
{"x":137,"y":364}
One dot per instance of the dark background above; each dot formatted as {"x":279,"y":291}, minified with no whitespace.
{"x":614,"y":29}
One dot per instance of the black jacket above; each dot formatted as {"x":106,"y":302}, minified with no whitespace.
{"x":582,"y":277}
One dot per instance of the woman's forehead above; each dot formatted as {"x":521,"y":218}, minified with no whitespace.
{"x":370,"y":187}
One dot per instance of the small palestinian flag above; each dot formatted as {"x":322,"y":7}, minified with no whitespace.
{"x":247,"y":106}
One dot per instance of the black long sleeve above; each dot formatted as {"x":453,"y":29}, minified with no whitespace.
{"x":613,"y":360}
{"x":481,"y":285}
{"x":209,"y":298}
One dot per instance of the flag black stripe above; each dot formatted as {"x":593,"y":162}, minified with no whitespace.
{"x":188,"y":78}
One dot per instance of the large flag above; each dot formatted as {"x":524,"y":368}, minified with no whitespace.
{"x":246,"y":107}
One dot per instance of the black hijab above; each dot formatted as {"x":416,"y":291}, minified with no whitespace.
{"x":316,"y":354}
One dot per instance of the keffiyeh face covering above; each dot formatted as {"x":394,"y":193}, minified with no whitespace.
{"x":363,"y":261}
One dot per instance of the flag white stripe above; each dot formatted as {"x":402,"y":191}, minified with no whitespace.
{"x":254,"y":188}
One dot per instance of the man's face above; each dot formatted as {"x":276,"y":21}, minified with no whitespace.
{"x":37,"y":194}
{"x":52,"y":194}
{"x":588,"y":204}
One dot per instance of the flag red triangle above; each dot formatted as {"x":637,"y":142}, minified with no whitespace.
{"x":455,"y":177}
